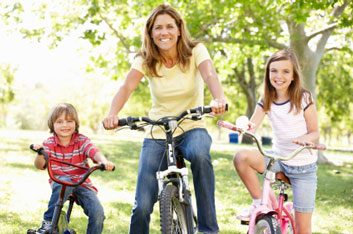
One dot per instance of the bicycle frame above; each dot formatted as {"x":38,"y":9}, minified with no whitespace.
{"x":269,"y":203}
{"x":176,"y":172}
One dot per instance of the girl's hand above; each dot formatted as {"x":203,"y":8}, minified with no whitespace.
{"x":251,"y":127}
{"x":111,"y":122}
{"x":218,"y":106}
{"x":298,"y":141}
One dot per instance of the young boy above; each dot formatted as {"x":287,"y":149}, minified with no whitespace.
{"x":68,"y":145}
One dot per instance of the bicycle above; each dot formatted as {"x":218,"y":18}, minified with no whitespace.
{"x":176,"y":211}
{"x":58,"y":213}
{"x":274,"y":215}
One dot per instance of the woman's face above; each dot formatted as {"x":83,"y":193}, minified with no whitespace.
{"x":165,"y":32}
{"x":281,"y":74}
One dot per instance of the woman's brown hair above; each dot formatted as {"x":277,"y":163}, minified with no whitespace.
{"x":150,"y":52}
{"x":295,"y":89}
{"x":58,"y":110}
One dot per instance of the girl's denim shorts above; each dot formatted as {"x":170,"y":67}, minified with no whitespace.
{"x":303,"y":180}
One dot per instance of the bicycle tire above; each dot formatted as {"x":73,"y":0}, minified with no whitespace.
{"x":172,"y":212}
{"x":190,"y":216}
{"x":267,"y":224}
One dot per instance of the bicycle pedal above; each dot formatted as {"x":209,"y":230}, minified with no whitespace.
{"x":244,"y":222}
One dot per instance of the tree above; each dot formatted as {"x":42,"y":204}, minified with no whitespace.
{"x":7,"y":93}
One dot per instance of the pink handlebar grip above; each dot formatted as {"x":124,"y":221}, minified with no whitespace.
{"x":228,"y":125}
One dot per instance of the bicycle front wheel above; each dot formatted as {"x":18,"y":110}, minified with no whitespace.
{"x":267,"y":224}
{"x":172,"y":212}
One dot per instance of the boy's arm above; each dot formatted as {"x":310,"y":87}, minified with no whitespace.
{"x":100,"y":158}
{"x":39,"y":162}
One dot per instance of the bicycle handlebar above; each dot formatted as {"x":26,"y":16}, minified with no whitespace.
{"x":89,"y":170}
{"x":129,"y":121}
{"x":232,"y":127}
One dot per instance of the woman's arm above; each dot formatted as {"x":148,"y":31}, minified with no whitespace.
{"x":131,"y":82}
{"x":210,"y":77}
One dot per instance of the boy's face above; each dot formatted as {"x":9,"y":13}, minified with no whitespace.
{"x":64,"y":126}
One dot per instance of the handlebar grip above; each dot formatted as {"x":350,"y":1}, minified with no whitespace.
{"x":227,"y":125}
{"x":122,"y":122}
{"x":39,"y":151}
{"x":207,"y":109}
{"x":102,"y":167}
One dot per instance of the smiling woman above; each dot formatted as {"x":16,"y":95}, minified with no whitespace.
{"x":176,"y":68}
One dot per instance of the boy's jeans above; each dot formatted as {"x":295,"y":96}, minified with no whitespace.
{"x":87,"y":199}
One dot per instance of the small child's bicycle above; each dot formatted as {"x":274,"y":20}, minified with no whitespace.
{"x":274,"y":215}
{"x":56,"y":228}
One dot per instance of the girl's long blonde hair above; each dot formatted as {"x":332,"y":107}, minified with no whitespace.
{"x":150,"y":52}
{"x":295,"y":89}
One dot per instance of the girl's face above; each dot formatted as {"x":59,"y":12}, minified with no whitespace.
{"x":281,"y":74}
{"x":165,"y":32}
{"x":64,"y":126}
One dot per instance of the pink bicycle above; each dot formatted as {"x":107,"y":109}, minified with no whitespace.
{"x":275,"y":214}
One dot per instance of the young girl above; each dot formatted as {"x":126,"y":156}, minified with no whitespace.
{"x":293,"y":118}
{"x":68,"y":145}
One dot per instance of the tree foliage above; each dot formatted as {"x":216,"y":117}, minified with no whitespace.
{"x":240,"y":36}
{"x":7,"y":93}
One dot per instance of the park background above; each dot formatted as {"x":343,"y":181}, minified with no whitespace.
{"x":78,"y":51}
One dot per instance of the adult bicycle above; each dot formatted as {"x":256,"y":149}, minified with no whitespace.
{"x":275,"y":214}
{"x":176,"y":211}
{"x":56,"y":228}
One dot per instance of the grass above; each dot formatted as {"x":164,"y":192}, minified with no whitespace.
{"x":24,"y":191}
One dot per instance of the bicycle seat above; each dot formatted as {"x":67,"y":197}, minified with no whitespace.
{"x":282,"y":177}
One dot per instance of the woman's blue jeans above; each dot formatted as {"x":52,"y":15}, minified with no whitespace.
{"x":87,"y":199}
{"x":195,"y":146}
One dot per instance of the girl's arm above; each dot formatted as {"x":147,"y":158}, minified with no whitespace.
{"x":311,"y":119}
{"x":256,"y":118}
{"x":210,"y":77}
{"x":131,"y":82}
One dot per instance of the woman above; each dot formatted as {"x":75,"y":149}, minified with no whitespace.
{"x":176,"y":68}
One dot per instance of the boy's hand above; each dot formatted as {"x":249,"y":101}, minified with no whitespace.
{"x":37,"y":146}
{"x":109,"y":166}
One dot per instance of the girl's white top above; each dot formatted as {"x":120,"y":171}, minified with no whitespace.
{"x":288,"y":126}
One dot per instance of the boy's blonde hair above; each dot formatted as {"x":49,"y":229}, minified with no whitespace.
{"x":58,"y":110}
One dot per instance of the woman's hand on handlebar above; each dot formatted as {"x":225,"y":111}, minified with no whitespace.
{"x":219,"y":106}
{"x":111,"y":122}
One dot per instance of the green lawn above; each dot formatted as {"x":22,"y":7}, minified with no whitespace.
{"x":24,"y":191}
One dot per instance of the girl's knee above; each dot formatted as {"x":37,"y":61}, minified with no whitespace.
{"x":240,"y":158}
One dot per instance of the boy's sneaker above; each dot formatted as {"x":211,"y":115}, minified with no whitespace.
{"x":45,"y":228}
{"x":246,"y":213}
